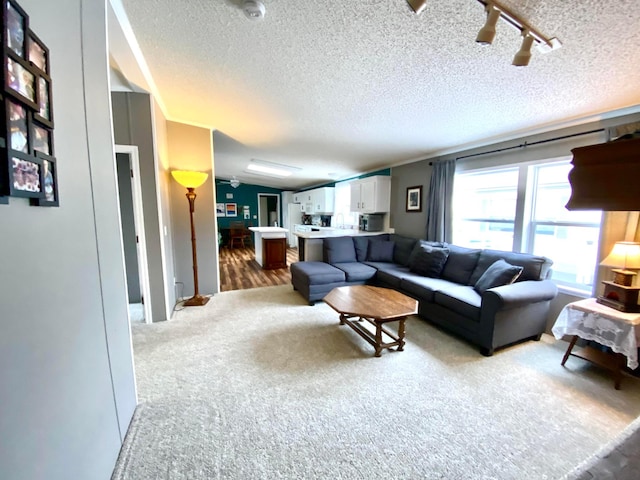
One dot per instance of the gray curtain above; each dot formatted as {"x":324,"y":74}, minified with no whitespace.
{"x":440,"y":202}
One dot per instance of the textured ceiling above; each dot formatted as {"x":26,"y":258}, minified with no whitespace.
{"x":342,"y":87}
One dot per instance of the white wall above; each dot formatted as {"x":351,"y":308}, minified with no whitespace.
{"x":67,"y":389}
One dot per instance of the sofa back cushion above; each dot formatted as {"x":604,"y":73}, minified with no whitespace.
{"x":403,"y":248}
{"x":499,"y":273}
{"x":534,"y":267}
{"x":428,"y":260}
{"x":339,"y":250}
{"x":361,"y":243}
{"x":461,"y":263}
{"x":381,"y":251}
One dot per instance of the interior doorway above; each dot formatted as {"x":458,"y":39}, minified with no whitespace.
{"x":133,"y":236}
{"x":269,"y":210}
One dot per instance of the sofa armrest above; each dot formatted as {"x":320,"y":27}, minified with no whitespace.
{"x":518,"y":294}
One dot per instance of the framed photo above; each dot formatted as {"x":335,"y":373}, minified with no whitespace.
{"x":25,"y":176}
{"x":220,"y":210}
{"x":15,"y":28}
{"x":20,"y":81}
{"x":41,"y":139}
{"x":231,"y":209}
{"x":414,"y":199}
{"x":18,"y":126}
{"x":44,"y":112}
{"x":38,"y":53}
{"x":49,"y":182}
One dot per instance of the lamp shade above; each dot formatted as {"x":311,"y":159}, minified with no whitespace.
{"x":623,"y":255}
{"x":188,"y":178}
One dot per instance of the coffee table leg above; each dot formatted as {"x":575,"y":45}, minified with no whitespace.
{"x":342,"y":319}
{"x":378,"y":339}
{"x":401,"y":334}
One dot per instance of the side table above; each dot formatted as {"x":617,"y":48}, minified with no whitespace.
{"x":591,"y":320}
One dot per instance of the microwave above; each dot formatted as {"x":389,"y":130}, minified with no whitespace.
{"x":371,"y":222}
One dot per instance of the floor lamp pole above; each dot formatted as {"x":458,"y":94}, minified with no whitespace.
{"x":197,"y":300}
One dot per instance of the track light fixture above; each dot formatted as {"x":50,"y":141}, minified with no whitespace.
{"x":488,"y":32}
{"x":524,"y":54}
{"x":417,"y":5}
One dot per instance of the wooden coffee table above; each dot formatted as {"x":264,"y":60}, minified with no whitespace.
{"x":366,"y":309}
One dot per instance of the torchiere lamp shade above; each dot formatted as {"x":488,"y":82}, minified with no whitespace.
{"x":189,"y":179}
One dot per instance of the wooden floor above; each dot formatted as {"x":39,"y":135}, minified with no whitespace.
{"x":239,"y":270}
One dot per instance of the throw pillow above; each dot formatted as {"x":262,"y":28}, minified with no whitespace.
{"x":428,"y":260}
{"x":498,"y":274}
{"x":380,"y":251}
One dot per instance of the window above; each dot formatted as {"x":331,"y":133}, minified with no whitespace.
{"x":522,"y":208}
{"x":343,"y":217}
{"x":484,"y":209}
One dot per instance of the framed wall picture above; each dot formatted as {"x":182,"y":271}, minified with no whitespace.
{"x":15,"y":28}
{"x":20,"y":81}
{"x":41,"y":139}
{"x":414,"y":199}
{"x":231,"y":209}
{"x":220,"y":210}
{"x":49,"y":182}
{"x":38,"y":53}
{"x":25,"y":176}
{"x":17,"y":121}
{"x":44,"y":112}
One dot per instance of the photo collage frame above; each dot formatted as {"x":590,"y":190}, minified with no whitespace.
{"x":27,"y":160}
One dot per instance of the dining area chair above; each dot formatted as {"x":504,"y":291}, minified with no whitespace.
{"x":238,"y":233}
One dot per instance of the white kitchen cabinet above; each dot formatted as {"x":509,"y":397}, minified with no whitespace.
{"x":371,"y":194}
{"x":323,"y":200}
{"x":317,"y":201}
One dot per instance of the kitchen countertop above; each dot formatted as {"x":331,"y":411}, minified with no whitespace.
{"x":335,"y":232}
{"x":268,"y":229}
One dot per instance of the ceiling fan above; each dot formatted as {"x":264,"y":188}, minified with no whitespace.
{"x":234,"y":182}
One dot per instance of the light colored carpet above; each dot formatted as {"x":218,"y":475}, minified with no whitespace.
{"x":259,"y":385}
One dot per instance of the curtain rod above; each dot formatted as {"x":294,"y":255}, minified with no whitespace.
{"x":527,"y":144}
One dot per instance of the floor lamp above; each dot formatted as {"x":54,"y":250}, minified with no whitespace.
{"x":192,"y":180}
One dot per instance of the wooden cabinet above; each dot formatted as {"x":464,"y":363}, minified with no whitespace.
{"x":371,"y":194}
{"x":274,"y":253}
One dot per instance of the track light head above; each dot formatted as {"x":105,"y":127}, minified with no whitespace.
{"x":417,"y":5}
{"x":488,"y":32}
{"x":524,"y":54}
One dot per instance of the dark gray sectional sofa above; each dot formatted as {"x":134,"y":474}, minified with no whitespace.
{"x":491,"y":298}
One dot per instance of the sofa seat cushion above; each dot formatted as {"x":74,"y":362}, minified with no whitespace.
{"x":422,"y":287}
{"x":316,"y":273}
{"x":389,"y":273}
{"x":462,"y":299}
{"x":356,"y":271}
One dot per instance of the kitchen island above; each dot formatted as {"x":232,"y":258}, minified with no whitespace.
{"x":270,"y":247}
{"x":310,"y":243}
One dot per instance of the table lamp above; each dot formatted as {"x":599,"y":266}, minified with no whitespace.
{"x":620,"y":294}
{"x":192,"y":180}
{"x":625,"y":257}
